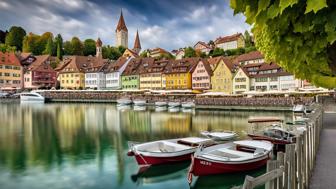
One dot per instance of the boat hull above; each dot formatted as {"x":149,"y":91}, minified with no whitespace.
{"x":149,"y":160}
{"x":201,"y":167}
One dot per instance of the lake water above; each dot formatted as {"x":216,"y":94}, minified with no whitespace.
{"x":84,"y":146}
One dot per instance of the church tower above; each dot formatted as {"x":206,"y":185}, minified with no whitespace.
{"x":99,"y":52}
{"x":137,"y":45}
{"x":121,"y":32}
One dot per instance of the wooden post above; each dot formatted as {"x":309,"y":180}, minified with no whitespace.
{"x":292,"y":167}
{"x":281,"y":159}
{"x":299,"y":160}
{"x":286,"y":164}
{"x":248,"y":183}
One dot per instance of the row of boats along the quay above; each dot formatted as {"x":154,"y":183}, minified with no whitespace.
{"x":220,"y":152}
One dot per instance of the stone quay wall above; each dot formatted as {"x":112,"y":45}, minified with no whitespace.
{"x":112,"y":96}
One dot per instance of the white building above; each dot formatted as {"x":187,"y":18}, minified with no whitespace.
{"x":230,"y":42}
{"x":202,"y":47}
{"x":113,"y":72}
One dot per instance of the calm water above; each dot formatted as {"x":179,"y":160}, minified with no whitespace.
{"x":84,"y":145}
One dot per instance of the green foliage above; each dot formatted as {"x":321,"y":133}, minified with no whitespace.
{"x":112,"y":53}
{"x":15,"y":37}
{"x":67,"y":48}
{"x":76,"y":46}
{"x":89,"y":47}
{"x":144,"y":54}
{"x":298,"y":35}
{"x":189,"y":52}
{"x":248,"y":39}
{"x":121,"y":49}
{"x":49,"y":47}
{"x":217,"y":52}
{"x":5,"y":48}
{"x":59,"y":46}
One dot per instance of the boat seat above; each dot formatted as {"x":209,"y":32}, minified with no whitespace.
{"x":234,"y":152}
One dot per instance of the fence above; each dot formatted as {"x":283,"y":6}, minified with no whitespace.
{"x":292,"y":169}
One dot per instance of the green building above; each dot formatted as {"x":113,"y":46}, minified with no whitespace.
{"x":130,"y":76}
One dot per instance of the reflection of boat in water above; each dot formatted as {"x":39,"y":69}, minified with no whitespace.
{"x":160,"y":108}
{"x":188,"y":105}
{"x":124,"y":101}
{"x":188,"y":110}
{"x":139,"y":102}
{"x":173,"y":109}
{"x":166,"y":151}
{"x":224,"y":181}
{"x":122,"y":107}
{"x":139,"y":108}
{"x":219,"y":135}
{"x":160,"y":173}
{"x":161,"y":103}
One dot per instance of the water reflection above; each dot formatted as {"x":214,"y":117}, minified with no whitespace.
{"x":41,"y":144}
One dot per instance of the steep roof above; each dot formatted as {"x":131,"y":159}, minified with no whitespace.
{"x":40,"y":64}
{"x":135,"y":55}
{"x":262,"y":68}
{"x":115,"y":66}
{"x":99,"y":43}
{"x":185,"y":65}
{"x":203,"y":44}
{"x":229,"y":38}
{"x":82,"y":64}
{"x":249,"y":56}
{"x":24,"y":55}
{"x":133,"y":67}
{"x":150,"y":65}
{"x":158,"y":50}
{"x":61,"y":65}
{"x":137,"y":44}
{"x":9,"y":59}
{"x":206,"y":66}
{"x":121,"y":23}
{"x":228,"y":61}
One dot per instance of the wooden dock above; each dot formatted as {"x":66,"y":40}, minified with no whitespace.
{"x":293,"y":169}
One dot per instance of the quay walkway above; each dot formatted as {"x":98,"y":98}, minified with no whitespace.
{"x":324,"y":173}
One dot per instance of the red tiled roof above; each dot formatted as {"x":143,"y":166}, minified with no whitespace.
{"x":82,"y":64}
{"x":227,"y":60}
{"x":121,"y":23}
{"x":136,"y":55}
{"x":158,"y":50}
{"x":150,"y":65}
{"x":115,"y":66}
{"x":185,"y":65}
{"x":249,"y":56}
{"x":40,"y":64}
{"x":133,"y":67}
{"x":203,"y":44}
{"x":9,"y":59}
{"x":229,"y":38}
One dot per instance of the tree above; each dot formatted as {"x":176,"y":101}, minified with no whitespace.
{"x":217,"y":52}
{"x":144,"y":54}
{"x":30,"y":43}
{"x":189,"y":52}
{"x":112,"y":53}
{"x":3,"y":36}
{"x":121,"y":49}
{"x":211,"y":43}
{"x":299,"y":35}
{"x":59,"y":46}
{"x":5,"y":48}
{"x":248,"y":39}
{"x":76,"y":46}
{"x":89,"y":47}
{"x":15,"y":37}
{"x":67,"y":48}
{"x":49,"y":47}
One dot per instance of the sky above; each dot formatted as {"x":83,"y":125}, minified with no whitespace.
{"x":169,"y":24}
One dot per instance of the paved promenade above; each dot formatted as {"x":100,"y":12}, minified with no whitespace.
{"x":324,"y":175}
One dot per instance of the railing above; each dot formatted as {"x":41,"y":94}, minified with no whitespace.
{"x":292,"y":169}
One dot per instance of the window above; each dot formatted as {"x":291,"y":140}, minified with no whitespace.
{"x":7,"y":74}
{"x":261,"y":79}
{"x":274,"y":79}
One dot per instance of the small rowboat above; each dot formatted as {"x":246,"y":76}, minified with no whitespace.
{"x":124,"y":101}
{"x":188,"y":105}
{"x":231,"y":157}
{"x":174,"y":104}
{"x":161,"y":103}
{"x":166,"y":151}
{"x":139,"y":102}
{"x":219,"y":135}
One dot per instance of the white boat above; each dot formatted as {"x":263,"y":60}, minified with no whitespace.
{"x":237,"y":156}
{"x":174,"y":104}
{"x":124,"y":101}
{"x":139,"y":102}
{"x":31,"y":97}
{"x":219,"y":135}
{"x":3,"y":94}
{"x":160,"y":108}
{"x":161,"y":103}
{"x":166,"y":151}
{"x":299,"y":108}
{"x":173,"y":109}
{"x":188,"y":105}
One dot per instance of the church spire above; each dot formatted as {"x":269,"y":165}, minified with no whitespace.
{"x":137,"y":45}
{"x":99,"y":44}
{"x":121,"y":23}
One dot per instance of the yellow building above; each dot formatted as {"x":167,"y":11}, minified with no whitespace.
{"x":223,"y":69}
{"x":178,"y":73}
{"x":10,"y":72}
{"x":151,"y":74}
{"x":72,"y":76}
{"x":130,"y":53}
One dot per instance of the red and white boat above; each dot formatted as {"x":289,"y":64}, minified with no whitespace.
{"x":237,"y":156}
{"x":166,"y":151}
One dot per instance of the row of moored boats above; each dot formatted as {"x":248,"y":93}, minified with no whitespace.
{"x":140,"y":102}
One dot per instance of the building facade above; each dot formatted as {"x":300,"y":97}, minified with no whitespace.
{"x":201,"y":76}
{"x":241,"y":81}
{"x":130,"y":76}
{"x":230,"y":42}
{"x":178,"y":73}
{"x":11,"y":72}
{"x":223,"y":72}
{"x":39,"y":74}
{"x":114,"y":71}
{"x":202,"y":47}
{"x":151,"y":74}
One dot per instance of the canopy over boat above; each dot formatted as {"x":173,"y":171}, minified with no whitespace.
{"x":264,"y":119}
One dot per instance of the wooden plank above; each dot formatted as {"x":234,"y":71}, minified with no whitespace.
{"x":262,"y":179}
{"x":248,"y":183}
{"x":281,"y":158}
{"x":271,"y":165}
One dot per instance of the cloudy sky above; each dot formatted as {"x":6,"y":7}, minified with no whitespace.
{"x":161,"y":23}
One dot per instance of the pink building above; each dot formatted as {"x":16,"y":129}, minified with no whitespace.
{"x":201,"y":76}
{"x":39,"y":74}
